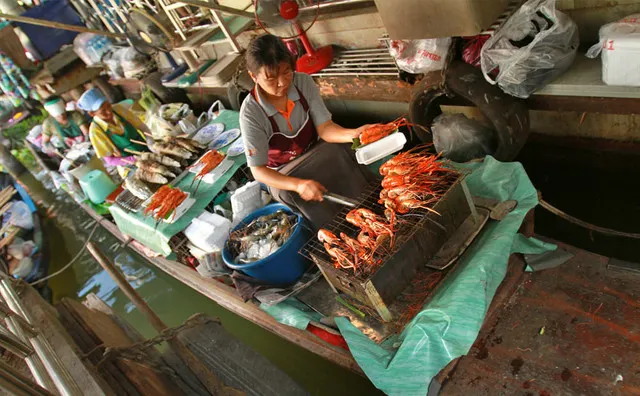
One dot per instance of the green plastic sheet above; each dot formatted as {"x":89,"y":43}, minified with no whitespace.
{"x":143,"y":228}
{"x":449,"y":324}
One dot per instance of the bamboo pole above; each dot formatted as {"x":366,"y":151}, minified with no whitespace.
{"x":208,"y":379}
{"x":58,"y":25}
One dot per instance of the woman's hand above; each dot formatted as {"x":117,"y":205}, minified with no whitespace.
{"x":358,"y":131}
{"x":310,"y":190}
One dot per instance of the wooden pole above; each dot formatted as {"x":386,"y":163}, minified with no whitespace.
{"x":11,"y":163}
{"x":58,"y":25}
{"x":213,"y":384}
{"x":126,"y":288}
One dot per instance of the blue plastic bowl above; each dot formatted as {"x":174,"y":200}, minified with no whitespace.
{"x":286,"y":265}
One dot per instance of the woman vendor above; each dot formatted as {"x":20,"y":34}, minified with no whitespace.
{"x":290,"y":138}
{"x":68,"y":127}
{"x":113,"y":129}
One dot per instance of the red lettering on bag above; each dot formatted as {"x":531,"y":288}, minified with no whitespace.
{"x":430,"y":55}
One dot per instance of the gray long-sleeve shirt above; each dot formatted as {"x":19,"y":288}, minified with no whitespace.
{"x":256,"y":128}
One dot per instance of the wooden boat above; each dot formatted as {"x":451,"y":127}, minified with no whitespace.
{"x":507,"y":300}
{"x":41,"y":257}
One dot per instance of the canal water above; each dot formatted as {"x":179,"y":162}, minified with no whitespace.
{"x":67,"y":228}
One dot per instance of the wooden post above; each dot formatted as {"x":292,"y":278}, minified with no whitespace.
{"x":11,"y":163}
{"x":58,"y":25}
{"x":211,"y":382}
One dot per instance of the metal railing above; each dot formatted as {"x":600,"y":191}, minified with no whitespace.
{"x":22,"y":339}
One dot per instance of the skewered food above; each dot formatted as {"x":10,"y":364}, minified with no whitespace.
{"x":162,"y":159}
{"x":208,"y":162}
{"x":164,"y":202}
{"x":169,"y":149}
{"x":137,"y":188}
{"x":152,"y":166}
{"x":150,"y":177}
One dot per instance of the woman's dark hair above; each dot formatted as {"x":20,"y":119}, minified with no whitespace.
{"x":267,"y":51}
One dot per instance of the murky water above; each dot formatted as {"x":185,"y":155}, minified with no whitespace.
{"x":67,"y":229}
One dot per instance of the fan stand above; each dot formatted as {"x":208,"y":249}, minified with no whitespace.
{"x":176,"y":69}
{"x":315,"y":59}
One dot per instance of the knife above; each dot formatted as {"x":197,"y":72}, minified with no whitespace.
{"x":342,"y":200}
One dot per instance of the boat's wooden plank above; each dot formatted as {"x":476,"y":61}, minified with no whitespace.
{"x":52,"y":330}
{"x":100,"y":324}
{"x":572,"y":329}
{"x":109,"y":373}
{"x":226,"y":297}
{"x":94,"y":302}
{"x":146,"y":379}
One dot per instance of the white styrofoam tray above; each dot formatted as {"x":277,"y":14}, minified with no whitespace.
{"x":216,"y":172}
{"x":375,"y":151}
{"x":178,"y":212}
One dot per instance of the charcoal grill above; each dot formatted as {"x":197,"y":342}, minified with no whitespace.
{"x":420,"y":235}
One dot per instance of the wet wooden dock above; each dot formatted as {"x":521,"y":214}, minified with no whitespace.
{"x":574,"y":329}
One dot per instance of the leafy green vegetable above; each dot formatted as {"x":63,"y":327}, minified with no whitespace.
{"x":356,"y":144}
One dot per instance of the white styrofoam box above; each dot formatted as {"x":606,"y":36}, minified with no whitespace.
{"x":208,"y":232}
{"x":621,"y":60}
{"x":245,"y":200}
{"x":377,"y":150}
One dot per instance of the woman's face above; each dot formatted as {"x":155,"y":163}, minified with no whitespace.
{"x":274,"y":82}
{"x":104,"y":112}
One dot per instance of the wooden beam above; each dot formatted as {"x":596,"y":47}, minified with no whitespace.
{"x":58,"y":25}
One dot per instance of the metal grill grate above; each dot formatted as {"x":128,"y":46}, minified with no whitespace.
{"x":407,"y":226}
{"x":129,"y":201}
{"x":361,"y":62}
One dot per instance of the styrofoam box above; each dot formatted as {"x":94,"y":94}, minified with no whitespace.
{"x":245,"y":200}
{"x":208,"y":232}
{"x":377,"y":150}
{"x":621,"y":60}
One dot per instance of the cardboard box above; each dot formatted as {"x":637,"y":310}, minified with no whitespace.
{"x":421,"y":19}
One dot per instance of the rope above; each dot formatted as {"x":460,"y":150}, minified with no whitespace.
{"x":77,"y":256}
{"x":135,"y":350}
{"x":589,"y":226}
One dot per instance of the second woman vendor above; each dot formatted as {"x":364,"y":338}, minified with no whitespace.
{"x":290,"y":139}
{"x":113,"y":130}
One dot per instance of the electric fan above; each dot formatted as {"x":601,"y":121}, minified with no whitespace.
{"x":148,"y":35}
{"x":274,"y":15}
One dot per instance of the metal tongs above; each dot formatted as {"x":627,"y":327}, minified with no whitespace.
{"x":340,"y":199}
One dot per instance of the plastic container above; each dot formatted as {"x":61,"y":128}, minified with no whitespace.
{"x":208,"y":231}
{"x":245,"y":200}
{"x":377,"y":150}
{"x":97,"y":186}
{"x":94,"y":163}
{"x":285,"y":266}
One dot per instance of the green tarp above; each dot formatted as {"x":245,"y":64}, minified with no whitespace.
{"x":143,"y":228}
{"x":449,"y":323}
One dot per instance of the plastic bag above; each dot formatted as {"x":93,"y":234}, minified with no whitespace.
{"x":135,"y":64}
{"x":20,"y":215}
{"x":170,"y":120}
{"x":21,"y":248}
{"x":113,"y":60}
{"x":462,"y":139}
{"x":619,"y":43}
{"x":472,"y":49}
{"x":534,"y":46}
{"x":91,"y":47}
{"x":420,"y":56}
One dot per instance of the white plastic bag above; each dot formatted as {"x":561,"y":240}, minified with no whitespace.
{"x":20,"y":216}
{"x":462,"y":139}
{"x":420,"y":56}
{"x":535,"y":45}
{"x":620,"y":45}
